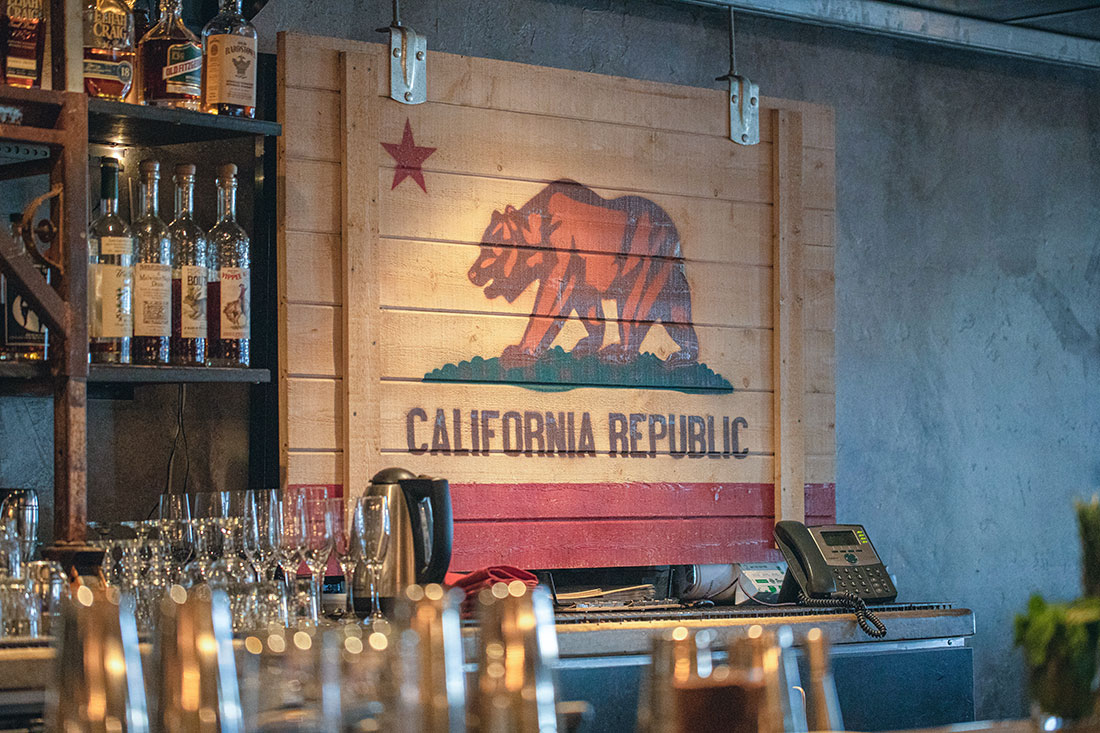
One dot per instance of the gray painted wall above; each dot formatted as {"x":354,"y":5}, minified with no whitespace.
{"x":968,"y":269}
{"x":967,"y":274}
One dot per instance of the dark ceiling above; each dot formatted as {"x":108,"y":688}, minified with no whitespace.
{"x":1069,"y":17}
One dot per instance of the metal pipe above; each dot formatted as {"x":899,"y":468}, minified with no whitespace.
{"x":926,"y":26}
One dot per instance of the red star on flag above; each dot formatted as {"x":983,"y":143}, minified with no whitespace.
{"x":409,"y":157}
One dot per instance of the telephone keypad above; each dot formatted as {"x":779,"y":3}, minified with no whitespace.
{"x":868,"y":581}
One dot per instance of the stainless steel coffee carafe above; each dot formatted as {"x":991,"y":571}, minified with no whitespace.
{"x":421,"y":527}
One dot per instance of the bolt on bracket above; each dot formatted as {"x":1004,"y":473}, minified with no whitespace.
{"x":408,"y":65}
{"x":744,"y":98}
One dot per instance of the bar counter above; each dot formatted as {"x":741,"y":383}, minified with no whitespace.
{"x":919,"y":676}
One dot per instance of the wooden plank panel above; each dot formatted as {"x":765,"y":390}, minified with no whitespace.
{"x":458,"y":208}
{"x":315,"y":420}
{"x":311,"y":125}
{"x":314,"y":260}
{"x":819,"y":360}
{"x":359,"y":122}
{"x":325,"y":467}
{"x":819,"y":284}
{"x":435,"y":424}
{"x":818,"y":179}
{"x":720,"y":294}
{"x":820,"y":427}
{"x":312,"y":195}
{"x":741,"y":356}
{"x":311,"y":62}
{"x":609,"y":543}
{"x":819,"y":227}
{"x":820,"y":469}
{"x":609,"y":500}
{"x":507,"y":85}
{"x":510,"y":145}
{"x":787,"y":294}
{"x":498,"y":502}
{"x":314,"y":347}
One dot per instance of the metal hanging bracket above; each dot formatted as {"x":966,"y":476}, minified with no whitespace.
{"x":744,"y":101}
{"x":408,"y":61}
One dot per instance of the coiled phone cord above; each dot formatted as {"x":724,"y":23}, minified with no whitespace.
{"x":849,"y":600}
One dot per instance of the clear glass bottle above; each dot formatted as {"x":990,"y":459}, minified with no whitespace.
{"x":110,"y":276}
{"x":189,"y":262}
{"x":24,"y":41}
{"x":108,"y":49}
{"x":229,"y":293}
{"x":152,"y":275}
{"x":229,"y":63}
{"x":171,"y":61}
{"x":23,"y":337}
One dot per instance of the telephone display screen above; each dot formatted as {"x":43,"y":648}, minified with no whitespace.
{"x":834,"y":539}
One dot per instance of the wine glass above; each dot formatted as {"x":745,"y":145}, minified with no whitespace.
{"x":292,"y":537}
{"x":174,"y":512}
{"x":371,"y":530}
{"x":258,"y":542}
{"x":319,"y":540}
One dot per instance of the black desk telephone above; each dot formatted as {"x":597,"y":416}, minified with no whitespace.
{"x":834,"y":565}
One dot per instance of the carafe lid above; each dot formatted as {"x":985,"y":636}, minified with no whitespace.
{"x":392,"y":476}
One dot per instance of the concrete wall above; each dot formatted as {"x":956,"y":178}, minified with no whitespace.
{"x":968,"y":269}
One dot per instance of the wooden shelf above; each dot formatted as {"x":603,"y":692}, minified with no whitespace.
{"x":22,"y":370}
{"x":118,"y":123}
{"x":127,"y":374}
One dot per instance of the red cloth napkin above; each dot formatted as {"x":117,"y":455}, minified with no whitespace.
{"x":472,"y":583}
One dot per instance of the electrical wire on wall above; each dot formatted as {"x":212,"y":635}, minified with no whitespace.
{"x":181,"y":433}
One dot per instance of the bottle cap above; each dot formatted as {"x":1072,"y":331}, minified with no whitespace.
{"x":185,"y":169}
{"x":150,"y":166}
{"x":109,"y":162}
{"x":227,"y":170}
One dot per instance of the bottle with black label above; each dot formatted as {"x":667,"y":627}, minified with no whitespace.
{"x":23,"y":337}
{"x":229,"y":63}
{"x":152,"y":275}
{"x":230,"y":287}
{"x":110,"y":276}
{"x":171,"y":61}
{"x":189,"y":261}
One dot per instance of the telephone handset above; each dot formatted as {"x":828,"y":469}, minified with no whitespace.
{"x":834,"y":565}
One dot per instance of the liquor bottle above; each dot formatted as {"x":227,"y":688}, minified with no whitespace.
{"x":108,"y":49}
{"x":152,"y":275}
{"x":23,"y":337}
{"x":171,"y":62}
{"x":230,"y":290}
{"x":110,"y":276}
{"x":140,"y":11}
{"x":229,"y":63}
{"x":24,"y":42}
{"x":189,"y":261}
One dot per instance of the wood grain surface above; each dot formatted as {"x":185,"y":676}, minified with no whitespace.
{"x":375,"y":295}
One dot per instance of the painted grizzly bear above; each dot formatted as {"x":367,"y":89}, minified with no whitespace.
{"x":584,"y":249}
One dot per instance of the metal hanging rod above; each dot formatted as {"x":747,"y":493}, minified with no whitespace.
{"x":926,"y":26}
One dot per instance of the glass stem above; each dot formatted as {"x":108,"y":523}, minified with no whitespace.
{"x":375,"y":607}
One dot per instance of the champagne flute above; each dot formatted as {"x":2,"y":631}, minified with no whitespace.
{"x":319,"y":541}
{"x":174,"y":512}
{"x":257,"y":544}
{"x":292,"y":538}
{"x":371,"y":529}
